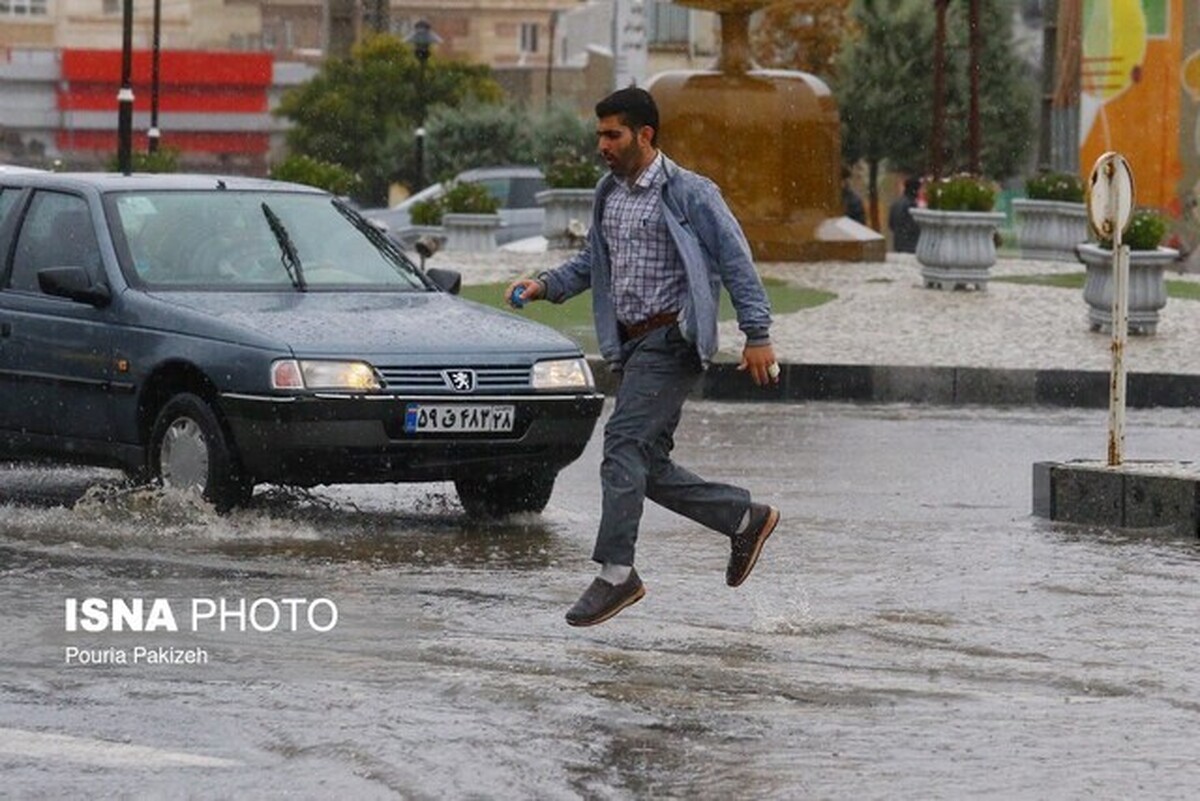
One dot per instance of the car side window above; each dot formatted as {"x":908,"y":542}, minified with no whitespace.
{"x":8,"y":196}
{"x":56,"y":232}
{"x":523,"y":191}
{"x":498,"y":188}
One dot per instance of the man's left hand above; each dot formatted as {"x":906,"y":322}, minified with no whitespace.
{"x":759,"y":360}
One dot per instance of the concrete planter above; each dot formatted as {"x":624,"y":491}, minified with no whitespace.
{"x":475,"y":233}
{"x":956,"y":248}
{"x":561,"y":207}
{"x":1050,"y":229}
{"x":1147,"y":286}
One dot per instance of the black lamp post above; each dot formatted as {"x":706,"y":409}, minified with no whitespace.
{"x":420,"y":158}
{"x":154,"y":133}
{"x":125,"y":95}
{"x":422,"y":39}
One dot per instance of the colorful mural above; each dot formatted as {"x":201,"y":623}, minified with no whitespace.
{"x":1189,"y":133}
{"x":1131,"y":94}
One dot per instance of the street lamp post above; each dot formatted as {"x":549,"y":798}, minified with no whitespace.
{"x":154,"y":133}
{"x":125,"y":95}
{"x":420,"y":158}
{"x":422,"y":40}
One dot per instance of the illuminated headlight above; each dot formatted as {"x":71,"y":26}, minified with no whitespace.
{"x":563,"y":374}
{"x":311,"y":374}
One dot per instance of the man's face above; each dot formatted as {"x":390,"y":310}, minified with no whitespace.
{"x":624,"y":151}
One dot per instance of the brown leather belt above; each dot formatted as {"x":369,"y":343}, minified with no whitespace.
{"x":635,"y":330}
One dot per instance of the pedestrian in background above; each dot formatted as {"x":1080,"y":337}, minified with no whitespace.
{"x":905,"y":230}
{"x":851,"y":203}
{"x":661,"y":245}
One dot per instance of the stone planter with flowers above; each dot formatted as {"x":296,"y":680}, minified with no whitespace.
{"x":957,"y":245}
{"x":1147,"y":282}
{"x":568,"y":200}
{"x":467,"y":213}
{"x":1052,"y":220}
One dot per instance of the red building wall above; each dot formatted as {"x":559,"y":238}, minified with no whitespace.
{"x":217,"y":85}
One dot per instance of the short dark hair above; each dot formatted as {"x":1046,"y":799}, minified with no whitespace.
{"x":635,"y":107}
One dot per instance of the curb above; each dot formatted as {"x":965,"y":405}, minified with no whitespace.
{"x":1136,"y":495}
{"x":945,"y":386}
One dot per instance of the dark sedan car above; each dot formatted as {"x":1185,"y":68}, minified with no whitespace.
{"x":219,"y":332}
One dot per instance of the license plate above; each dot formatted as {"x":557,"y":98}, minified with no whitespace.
{"x":421,"y":418}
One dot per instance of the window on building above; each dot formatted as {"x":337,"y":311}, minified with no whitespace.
{"x":529,"y":37}
{"x":666,"y":23}
{"x":23,"y":8}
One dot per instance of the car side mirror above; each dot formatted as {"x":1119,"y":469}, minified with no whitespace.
{"x":73,"y":283}
{"x":446,"y":280}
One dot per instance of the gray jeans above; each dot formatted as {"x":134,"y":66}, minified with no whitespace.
{"x":660,"y":371}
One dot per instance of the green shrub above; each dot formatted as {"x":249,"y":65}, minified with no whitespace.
{"x":469,"y":198}
{"x":570,"y":171}
{"x":1061,"y":186}
{"x":961,"y":192}
{"x":301,"y":169}
{"x":426,"y":212}
{"x":1146,"y":230}
{"x":164,"y":160}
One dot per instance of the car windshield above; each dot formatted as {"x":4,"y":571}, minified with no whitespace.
{"x":244,"y":240}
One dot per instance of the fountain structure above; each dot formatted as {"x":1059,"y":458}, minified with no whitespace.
{"x":771,"y":140}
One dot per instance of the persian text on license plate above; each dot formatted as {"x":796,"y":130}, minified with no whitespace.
{"x":420,"y":418}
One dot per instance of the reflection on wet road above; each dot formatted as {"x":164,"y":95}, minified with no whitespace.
{"x":911,"y":632}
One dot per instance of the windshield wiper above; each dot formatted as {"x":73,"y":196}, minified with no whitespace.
{"x":289,"y":256}
{"x":399,"y":259}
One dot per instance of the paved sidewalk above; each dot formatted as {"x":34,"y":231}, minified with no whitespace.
{"x":884,"y":316}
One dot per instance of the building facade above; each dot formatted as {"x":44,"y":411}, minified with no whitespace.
{"x":225,"y":63}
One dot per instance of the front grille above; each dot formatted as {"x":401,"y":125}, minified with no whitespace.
{"x":430,"y":380}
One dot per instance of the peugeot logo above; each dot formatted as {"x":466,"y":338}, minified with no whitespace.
{"x":460,"y":380}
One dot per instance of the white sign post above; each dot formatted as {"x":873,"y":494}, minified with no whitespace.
{"x":629,"y":43}
{"x":1110,"y":207}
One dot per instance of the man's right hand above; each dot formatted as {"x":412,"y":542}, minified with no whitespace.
{"x":530,"y":289}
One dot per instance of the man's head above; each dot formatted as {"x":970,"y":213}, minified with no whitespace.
{"x":627,"y":130}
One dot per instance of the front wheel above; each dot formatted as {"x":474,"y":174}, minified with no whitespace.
{"x":494,"y":496}
{"x":188,"y":450}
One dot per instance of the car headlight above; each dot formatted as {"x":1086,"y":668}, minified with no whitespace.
{"x":314,"y":374}
{"x":563,"y":374}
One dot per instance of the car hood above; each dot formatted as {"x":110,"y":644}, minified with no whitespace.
{"x":367,"y":324}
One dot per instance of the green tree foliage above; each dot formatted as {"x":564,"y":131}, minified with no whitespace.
{"x":476,"y":136}
{"x":885,"y":85}
{"x":358,"y":110}
{"x":321,"y":174}
{"x":885,"y":89}
{"x":487,"y":135}
{"x":165,"y":159}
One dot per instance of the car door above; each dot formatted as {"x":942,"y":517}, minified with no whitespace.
{"x":56,"y":359}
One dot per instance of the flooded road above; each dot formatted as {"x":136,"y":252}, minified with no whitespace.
{"x":910,"y":632}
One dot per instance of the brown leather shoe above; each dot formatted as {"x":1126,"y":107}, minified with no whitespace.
{"x":745,"y":547}
{"x":602,"y":600}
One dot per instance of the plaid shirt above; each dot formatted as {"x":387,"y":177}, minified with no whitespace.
{"x":648,"y":276}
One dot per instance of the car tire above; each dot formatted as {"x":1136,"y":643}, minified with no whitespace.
{"x":188,"y":449}
{"x":497,"y":496}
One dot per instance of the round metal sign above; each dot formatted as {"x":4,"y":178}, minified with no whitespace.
{"x":1110,"y":195}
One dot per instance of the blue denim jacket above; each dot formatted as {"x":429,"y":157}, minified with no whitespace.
{"x":714,"y":252}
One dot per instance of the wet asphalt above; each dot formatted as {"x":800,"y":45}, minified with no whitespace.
{"x":910,"y":632}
